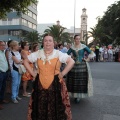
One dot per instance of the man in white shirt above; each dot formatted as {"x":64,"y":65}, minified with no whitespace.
{"x":3,"y":72}
{"x":101,"y":50}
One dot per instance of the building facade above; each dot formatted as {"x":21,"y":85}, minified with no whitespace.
{"x":71,"y":31}
{"x":15,"y":27}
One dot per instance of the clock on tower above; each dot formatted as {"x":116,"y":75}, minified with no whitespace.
{"x":84,"y":27}
{"x":83,"y":20}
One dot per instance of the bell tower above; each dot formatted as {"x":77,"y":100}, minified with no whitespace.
{"x":83,"y":24}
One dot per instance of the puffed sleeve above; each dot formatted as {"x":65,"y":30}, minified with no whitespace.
{"x":33,"y":56}
{"x":63,"y":57}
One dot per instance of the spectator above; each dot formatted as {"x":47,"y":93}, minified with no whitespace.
{"x":101,"y":51}
{"x":3,"y":72}
{"x":105,"y":55}
{"x":110,"y":55}
{"x":9,"y":79}
{"x":26,"y":76}
{"x":14,"y":62}
{"x":97,"y":52}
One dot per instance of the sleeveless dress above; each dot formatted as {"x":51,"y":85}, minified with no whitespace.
{"x":50,"y":100}
{"x":27,"y":76}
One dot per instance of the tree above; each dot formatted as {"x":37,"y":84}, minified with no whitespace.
{"x":18,"y":5}
{"x":95,"y":33}
{"x":33,"y":36}
{"x":58,"y":33}
{"x":108,"y":26}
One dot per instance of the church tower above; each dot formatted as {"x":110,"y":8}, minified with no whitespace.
{"x":83,"y":24}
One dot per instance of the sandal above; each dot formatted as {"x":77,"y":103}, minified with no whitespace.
{"x":27,"y":95}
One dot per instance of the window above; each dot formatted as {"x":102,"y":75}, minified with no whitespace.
{"x":4,"y":22}
{"x":15,"y":21}
{"x":9,"y":21}
{"x":34,"y":6}
{"x":34,"y":26}
{"x":14,"y":32}
{"x":29,"y":24}
{"x":24,"y":22}
{"x":29,"y":13}
{"x":3,"y":32}
{"x":34,"y":16}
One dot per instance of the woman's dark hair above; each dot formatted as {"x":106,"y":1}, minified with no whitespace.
{"x":23,"y":44}
{"x":47,"y":34}
{"x":35,"y":43}
{"x":60,"y":45}
{"x":8,"y":43}
{"x":75,"y":36}
{"x":34,"y":47}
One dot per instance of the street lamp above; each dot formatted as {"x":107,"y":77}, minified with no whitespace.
{"x":74,"y":14}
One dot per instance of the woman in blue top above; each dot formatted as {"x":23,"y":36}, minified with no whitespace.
{"x":79,"y":80}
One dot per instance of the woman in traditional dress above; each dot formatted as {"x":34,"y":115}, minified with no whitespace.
{"x":79,"y":81}
{"x":49,"y":100}
{"x":26,"y":76}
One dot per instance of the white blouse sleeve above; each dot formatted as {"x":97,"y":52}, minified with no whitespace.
{"x":63,"y":57}
{"x":33,"y":56}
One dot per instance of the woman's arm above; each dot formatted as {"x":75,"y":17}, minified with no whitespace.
{"x":16,"y":60}
{"x":87,"y":50}
{"x":69,"y":51}
{"x":23,"y":54}
{"x":70,"y":62}
{"x":28,"y":67}
{"x":7,"y":54}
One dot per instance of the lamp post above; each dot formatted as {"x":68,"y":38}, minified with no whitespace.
{"x":74,"y":14}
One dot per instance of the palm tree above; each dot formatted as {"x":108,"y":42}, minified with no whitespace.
{"x":33,"y":36}
{"x":58,"y":33}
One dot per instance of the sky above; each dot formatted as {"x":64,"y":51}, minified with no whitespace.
{"x":49,"y":11}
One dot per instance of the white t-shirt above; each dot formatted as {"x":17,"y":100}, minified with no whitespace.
{"x":17,"y":55}
{"x":101,"y":49}
{"x":110,"y":51}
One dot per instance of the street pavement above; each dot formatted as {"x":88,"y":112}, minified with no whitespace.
{"x":104,"y":105}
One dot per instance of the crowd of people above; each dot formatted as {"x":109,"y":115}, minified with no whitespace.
{"x":11,"y":56}
{"x":57,"y":71}
{"x":105,"y":53}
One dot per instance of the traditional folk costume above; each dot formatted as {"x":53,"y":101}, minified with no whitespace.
{"x":50,"y":100}
{"x":79,"y":80}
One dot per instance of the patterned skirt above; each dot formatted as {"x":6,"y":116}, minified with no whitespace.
{"x":79,"y":80}
{"x":49,"y":104}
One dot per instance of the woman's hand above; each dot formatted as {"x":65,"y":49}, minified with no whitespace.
{"x":60,"y":76}
{"x":34,"y":75}
{"x":21,"y":61}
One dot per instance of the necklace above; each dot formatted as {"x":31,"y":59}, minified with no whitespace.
{"x":47,"y":55}
{"x":77,"y":47}
{"x":48,"y":52}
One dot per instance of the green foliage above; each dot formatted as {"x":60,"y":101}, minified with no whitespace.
{"x":33,"y":36}
{"x":18,"y":5}
{"x":58,"y":33}
{"x":107,"y":30}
